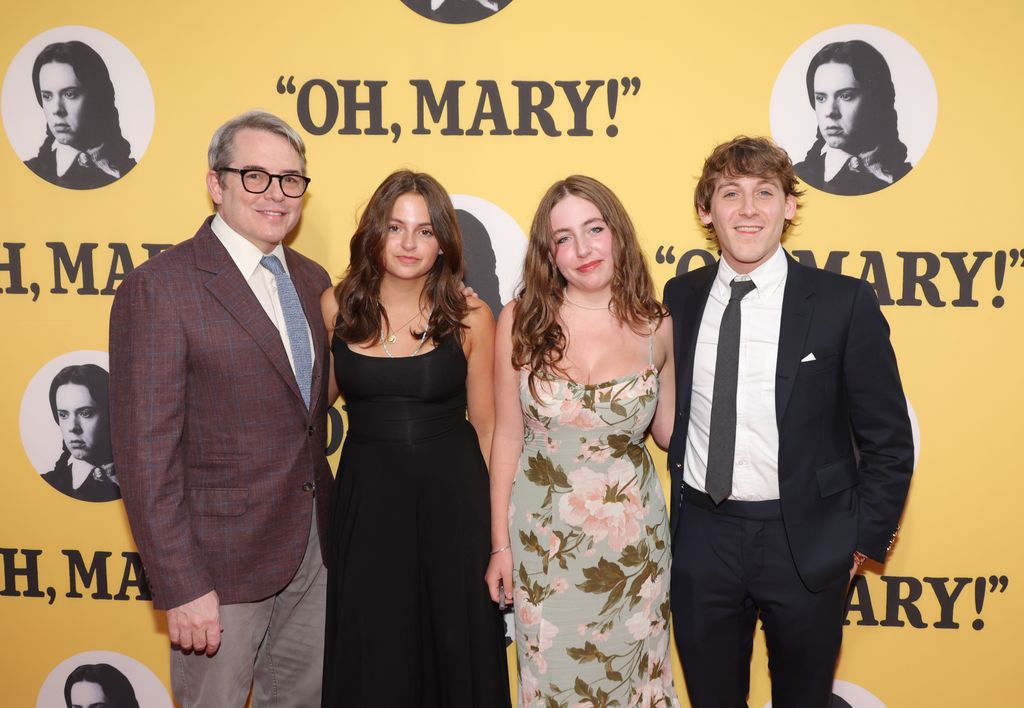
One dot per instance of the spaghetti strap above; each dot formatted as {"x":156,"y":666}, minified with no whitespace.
{"x":650,"y":347}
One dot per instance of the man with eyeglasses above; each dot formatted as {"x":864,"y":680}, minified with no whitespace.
{"x":218,"y":363}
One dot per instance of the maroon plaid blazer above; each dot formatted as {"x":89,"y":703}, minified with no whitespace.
{"x":217,"y":456}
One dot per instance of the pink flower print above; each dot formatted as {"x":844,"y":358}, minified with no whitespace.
{"x":573,"y":414}
{"x":529,"y":689}
{"x":559,"y":585}
{"x":554,"y":544}
{"x":650,"y":590}
{"x":591,"y":505}
{"x":546,"y":636}
{"x":549,"y":399}
{"x":639,"y":625}
{"x":528,"y":613}
{"x":600,"y":637}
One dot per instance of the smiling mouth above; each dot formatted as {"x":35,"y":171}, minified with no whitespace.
{"x":749,"y":230}
{"x":408,"y":259}
{"x":587,"y":267}
{"x":272,"y":214}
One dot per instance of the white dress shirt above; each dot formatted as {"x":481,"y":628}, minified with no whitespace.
{"x":262,"y":282}
{"x":756,"y":464}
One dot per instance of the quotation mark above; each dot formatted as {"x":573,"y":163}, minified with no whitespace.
{"x":663,"y":256}
{"x":282,"y":87}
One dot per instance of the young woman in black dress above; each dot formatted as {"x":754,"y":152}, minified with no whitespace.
{"x":409,"y":619}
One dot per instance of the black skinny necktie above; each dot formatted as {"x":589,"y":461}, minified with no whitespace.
{"x":722,"y":435}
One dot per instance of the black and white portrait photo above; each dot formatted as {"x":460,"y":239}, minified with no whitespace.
{"x":859,"y":124}
{"x":98,"y":686}
{"x":456,"y":11}
{"x":65,"y":427}
{"x":102,"y":679}
{"x":78,"y":125}
{"x":81,"y":409}
{"x":84,"y":148}
{"x":494,"y":247}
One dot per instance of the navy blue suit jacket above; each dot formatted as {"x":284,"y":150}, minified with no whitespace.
{"x":846,"y":450}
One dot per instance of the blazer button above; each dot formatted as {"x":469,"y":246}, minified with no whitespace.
{"x":309,"y":431}
{"x":307,"y":486}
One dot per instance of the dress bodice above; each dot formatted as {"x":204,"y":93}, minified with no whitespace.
{"x":404,"y":399}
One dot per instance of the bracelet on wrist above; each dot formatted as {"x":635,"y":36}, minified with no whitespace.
{"x":499,"y":550}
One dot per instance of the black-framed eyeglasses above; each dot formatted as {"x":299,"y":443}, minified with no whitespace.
{"x":257,"y":181}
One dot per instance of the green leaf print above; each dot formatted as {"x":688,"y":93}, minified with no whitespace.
{"x":603,"y":577}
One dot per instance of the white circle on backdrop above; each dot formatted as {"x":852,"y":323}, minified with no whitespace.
{"x":40,"y":435}
{"x":793,"y":121}
{"x":855,"y":696}
{"x":149,"y":690}
{"x":507,"y":240}
{"x":23,"y":117}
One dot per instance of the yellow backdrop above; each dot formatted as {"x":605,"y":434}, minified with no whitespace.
{"x":939,"y":625}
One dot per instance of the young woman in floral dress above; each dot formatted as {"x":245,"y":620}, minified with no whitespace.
{"x":583,"y":368}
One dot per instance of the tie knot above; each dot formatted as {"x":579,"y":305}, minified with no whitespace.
{"x":272,"y":264}
{"x":741,"y":288}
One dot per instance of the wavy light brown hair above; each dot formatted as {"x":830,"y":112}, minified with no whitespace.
{"x":360,"y":313}
{"x":538,"y":339}
{"x":745,"y":157}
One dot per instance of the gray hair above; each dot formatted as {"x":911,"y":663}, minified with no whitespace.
{"x":219,"y":154}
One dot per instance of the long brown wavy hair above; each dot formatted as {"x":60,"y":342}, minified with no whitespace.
{"x":538,"y":339}
{"x":360,"y":312}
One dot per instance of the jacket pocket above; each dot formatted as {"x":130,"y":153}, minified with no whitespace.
{"x":837,"y":476}
{"x":218,"y":501}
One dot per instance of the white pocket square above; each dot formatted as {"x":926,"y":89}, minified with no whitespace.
{"x":809,"y":357}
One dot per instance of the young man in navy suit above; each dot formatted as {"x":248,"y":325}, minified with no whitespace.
{"x":792,"y":450}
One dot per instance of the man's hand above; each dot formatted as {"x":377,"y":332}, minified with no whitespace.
{"x":195,"y":626}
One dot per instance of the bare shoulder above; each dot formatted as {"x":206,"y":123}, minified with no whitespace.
{"x":478,"y":317}
{"x":507,"y":315}
{"x":329,"y":308}
{"x":328,"y":301}
{"x":663,"y":341}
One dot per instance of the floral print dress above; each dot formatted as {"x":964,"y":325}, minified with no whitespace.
{"x":590,"y":546}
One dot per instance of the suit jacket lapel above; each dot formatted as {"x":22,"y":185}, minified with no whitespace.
{"x":797,"y":306}
{"x":235,"y":295}
{"x":686,"y":344}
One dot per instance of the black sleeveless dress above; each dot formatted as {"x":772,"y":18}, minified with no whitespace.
{"x":409,"y":621}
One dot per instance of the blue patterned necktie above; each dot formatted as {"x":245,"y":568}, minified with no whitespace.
{"x":295,"y":323}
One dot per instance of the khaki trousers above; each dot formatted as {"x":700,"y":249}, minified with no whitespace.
{"x":274,"y":647}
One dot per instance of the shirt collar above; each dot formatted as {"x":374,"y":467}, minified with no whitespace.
{"x":836,"y":159}
{"x":245,"y":255}
{"x":768,"y":277}
{"x":65,"y":156}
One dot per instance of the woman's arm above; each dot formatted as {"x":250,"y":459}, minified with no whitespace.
{"x":665,"y":415}
{"x":505,"y":451}
{"x":478,"y":345}
{"x":329,"y":310}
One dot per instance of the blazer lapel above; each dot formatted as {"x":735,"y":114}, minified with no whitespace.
{"x":686,"y":345}
{"x":797,"y":306}
{"x":235,"y":295}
